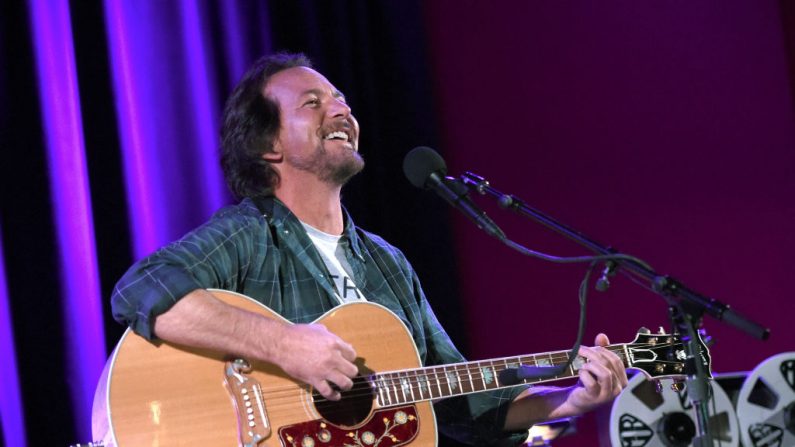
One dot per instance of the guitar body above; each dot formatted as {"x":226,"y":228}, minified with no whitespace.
{"x":167,"y":395}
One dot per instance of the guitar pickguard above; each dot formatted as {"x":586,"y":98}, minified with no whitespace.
{"x":386,"y":428}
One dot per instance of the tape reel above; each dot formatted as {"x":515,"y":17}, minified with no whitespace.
{"x":766,"y":403}
{"x":643,"y":417}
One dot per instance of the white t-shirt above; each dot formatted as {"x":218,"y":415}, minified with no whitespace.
{"x":333,"y":256}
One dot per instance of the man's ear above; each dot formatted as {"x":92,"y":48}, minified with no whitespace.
{"x":274,"y":155}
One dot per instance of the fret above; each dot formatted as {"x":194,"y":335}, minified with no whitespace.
{"x":398,"y":387}
{"x":515,"y":362}
{"x":543,"y":361}
{"x":489,"y":377}
{"x":403,"y":383}
{"x":380,"y":390}
{"x":421,"y":380}
{"x":429,"y":386}
{"x":447,"y":381}
{"x":409,"y":376}
{"x":461,"y":372}
{"x":380,"y":387}
{"x":383,"y":389}
{"x":451,"y":379}
{"x":387,"y":388}
{"x":430,"y":380}
{"x":550,"y":362}
{"x":394,"y":388}
{"x":533,"y":360}
{"x":496,"y":375}
{"x":466,"y":379}
{"x":438,"y":382}
{"x":512,"y":363}
{"x":471,"y":376}
{"x":483,"y":375}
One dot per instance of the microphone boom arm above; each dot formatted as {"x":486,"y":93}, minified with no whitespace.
{"x":664,"y":285}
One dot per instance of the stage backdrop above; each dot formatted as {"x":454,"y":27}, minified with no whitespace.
{"x":665,"y":130}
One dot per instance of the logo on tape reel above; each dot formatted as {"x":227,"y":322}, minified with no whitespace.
{"x":643,"y":416}
{"x":766,"y":403}
{"x":633,"y":432}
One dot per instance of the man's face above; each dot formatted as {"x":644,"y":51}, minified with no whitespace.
{"x":318,"y":133}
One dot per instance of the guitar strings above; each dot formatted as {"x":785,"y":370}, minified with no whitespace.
{"x":366,"y":391}
{"x":391,"y":383}
{"x":413,"y":377}
{"x":362,"y":390}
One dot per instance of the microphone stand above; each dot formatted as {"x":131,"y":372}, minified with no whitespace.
{"x":688,"y":305}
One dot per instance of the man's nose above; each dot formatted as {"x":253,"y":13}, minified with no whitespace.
{"x":337,"y":107}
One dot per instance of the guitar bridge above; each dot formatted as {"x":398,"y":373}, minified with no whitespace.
{"x":246,"y":393}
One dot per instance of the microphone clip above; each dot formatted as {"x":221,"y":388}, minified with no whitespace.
{"x":603,"y":283}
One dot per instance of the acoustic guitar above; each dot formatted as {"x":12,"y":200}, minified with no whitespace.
{"x":168,"y":395}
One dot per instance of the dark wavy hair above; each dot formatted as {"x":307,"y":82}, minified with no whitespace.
{"x":250,"y":125}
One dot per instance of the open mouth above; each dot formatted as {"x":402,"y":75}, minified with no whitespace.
{"x":340,"y":135}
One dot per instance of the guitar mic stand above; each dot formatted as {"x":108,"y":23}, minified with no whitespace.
{"x":687,"y":319}
{"x":689,"y":305}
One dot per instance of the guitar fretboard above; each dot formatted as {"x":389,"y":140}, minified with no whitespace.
{"x":435,"y":382}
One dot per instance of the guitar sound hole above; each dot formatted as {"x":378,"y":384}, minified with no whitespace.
{"x":354,"y":407}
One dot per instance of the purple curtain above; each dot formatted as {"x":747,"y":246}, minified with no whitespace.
{"x":109,"y":113}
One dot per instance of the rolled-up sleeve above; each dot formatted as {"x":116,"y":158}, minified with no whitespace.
{"x":215,"y":255}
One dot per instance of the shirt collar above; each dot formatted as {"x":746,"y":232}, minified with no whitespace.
{"x":277,"y":214}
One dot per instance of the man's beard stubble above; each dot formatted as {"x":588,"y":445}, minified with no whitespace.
{"x":334,"y":169}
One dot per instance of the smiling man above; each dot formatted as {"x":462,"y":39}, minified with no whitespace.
{"x":290,"y":143}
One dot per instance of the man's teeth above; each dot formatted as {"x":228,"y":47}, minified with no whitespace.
{"x":337,"y":135}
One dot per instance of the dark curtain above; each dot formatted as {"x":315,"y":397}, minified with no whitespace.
{"x":150,"y":79}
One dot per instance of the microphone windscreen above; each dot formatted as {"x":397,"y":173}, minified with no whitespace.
{"x":420,"y":163}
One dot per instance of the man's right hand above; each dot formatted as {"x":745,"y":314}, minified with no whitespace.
{"x":313,"y":355}
{"x":307,"y":352}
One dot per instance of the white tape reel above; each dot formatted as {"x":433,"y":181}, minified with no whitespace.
{"x":642,"y":417}
{"x":766,"y":403}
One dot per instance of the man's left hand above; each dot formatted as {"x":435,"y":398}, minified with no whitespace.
{"x":602,"y":378}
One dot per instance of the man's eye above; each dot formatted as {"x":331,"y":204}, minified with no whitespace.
{"x":312,"y":102}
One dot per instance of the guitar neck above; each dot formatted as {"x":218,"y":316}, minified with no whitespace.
{"x":435,"y":382}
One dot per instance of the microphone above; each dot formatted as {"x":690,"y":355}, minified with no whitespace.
{"x":515,"y":376}
{"x":426,"y":169}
